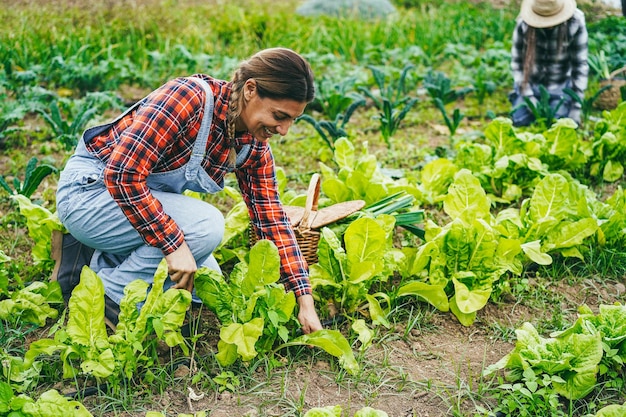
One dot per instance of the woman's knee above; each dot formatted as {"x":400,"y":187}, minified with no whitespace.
{"x":206,"y":232}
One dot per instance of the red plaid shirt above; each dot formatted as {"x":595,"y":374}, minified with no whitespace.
{"x":159,"y":136}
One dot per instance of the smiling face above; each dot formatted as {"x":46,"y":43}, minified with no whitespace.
{"x":266,"y":117}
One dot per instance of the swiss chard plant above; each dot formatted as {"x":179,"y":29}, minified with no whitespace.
{"x":255,"y":312}
{"x":359,"y":177}
{"x":348,"y":268}
{"x":84,"y":341}
{"x":459,"y":263}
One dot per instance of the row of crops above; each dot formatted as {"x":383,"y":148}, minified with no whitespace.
{"x":451,"y":228}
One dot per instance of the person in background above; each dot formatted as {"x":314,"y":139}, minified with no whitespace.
{"x":120,"y":193}
{"x":550,"y":50}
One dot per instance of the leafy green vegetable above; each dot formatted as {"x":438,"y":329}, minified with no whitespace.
{"x":32,"y":304}
{"x":85,"y":340}
{"x":49,"y":404}
{"x":343,"y":277}
{"x":574,"y":357}
{"x":464,"y":258}
{"x":255,"y":310}
{"x":40,"y":222}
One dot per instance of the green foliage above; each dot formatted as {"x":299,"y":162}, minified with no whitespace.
{"x":482,"y":84}
{"x":613,"y":410}
{"x":334,"y":98}
{"x":359,"y":177}
{"x":542,"y":110}
{"x":451,"y":122}
{"x":84,"y":341}
{"x":391,"y":100}
{"x":610,"y":325}
{"x":227,"y":381}
{"x":344,"y":276}
{"x":568,"y":364}
{"x":533,"y":396}
{"x":40,"y":222}
{"x":465,"y":257}
{"x":438,"y":86}
{"x":10,"y":112}
{"x":254,"y":310}
{"x":330,"y":131}
{"x":49,"y":404}
{"x":609,"y":147}
{"x":33,"y":176}
{"x":80,"y":112}
{"x":573,"y":358}
{"x":586,"y":104}
{"x":32,"y":304}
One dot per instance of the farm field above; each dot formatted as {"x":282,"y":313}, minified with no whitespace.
{"x":491,"y":283}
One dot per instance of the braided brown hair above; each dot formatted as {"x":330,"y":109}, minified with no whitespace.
{"x":280,"y":73}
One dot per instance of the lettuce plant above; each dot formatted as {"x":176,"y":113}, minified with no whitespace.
{"x":85,"y":341}
{"x":32,"y":304}
{"x":573,"y":357}
{"x":610,"y":325}
{"x":40,"y":222}
{"x":609,"y":147}
{"x":343,"y":276}
{"x":359,"y":177}
{"x":595,"y":345}
{"x":255,"y":312}
{"x":460,"y":262}
{"x":556,"y":219}
{"x":49,"y":404}
{"x":613,"y":410}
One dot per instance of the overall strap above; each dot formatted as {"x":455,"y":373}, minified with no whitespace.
{"x":97,"y":130}
{"x":199,"y":147}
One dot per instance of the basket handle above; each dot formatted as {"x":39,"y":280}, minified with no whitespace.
{"x":312,"y":195}
{"x":617,"y":71}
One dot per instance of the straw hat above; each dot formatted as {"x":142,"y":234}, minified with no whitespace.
{"x":546,"y":13}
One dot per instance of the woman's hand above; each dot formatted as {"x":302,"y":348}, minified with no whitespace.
{"x":181,"y":267}
{"x":307,"y":316}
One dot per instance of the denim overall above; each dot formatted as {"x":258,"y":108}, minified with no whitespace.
{"x":90,"y":214}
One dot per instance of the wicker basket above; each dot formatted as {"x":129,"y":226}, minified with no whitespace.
{"x":610,"y":98}
{"x":307,"y":220}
